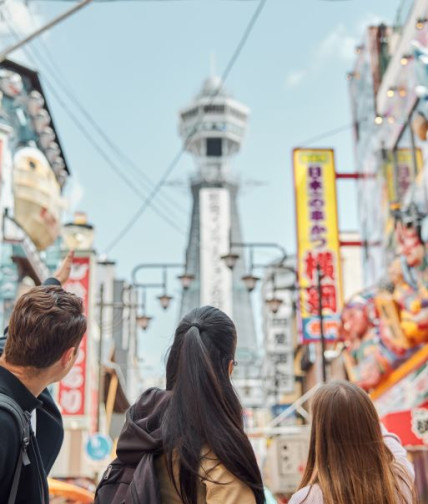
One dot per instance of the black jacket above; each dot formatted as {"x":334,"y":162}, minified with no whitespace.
{"x":44,"y":446}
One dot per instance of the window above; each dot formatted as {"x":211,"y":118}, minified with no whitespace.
{"x":280,"y":338}
{"x":214,"y":147}
{"x":214,"y":109}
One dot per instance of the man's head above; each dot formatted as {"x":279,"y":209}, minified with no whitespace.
{"x":45,"y":330}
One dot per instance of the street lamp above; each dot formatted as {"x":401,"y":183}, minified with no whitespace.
{"x":274,"y":303}
{"x":165,"y":299}
{"x":186,"y":280}
{"x":143,"y":322}
{"x":230,"y":259}
{"x":250,"y":281}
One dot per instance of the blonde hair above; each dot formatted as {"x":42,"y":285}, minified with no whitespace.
{"x":348,"y":458}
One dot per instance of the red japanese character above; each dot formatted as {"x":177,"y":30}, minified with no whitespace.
{"x":329,"y":301}
{"x":310,"y":265}
{"x":325,"y":260}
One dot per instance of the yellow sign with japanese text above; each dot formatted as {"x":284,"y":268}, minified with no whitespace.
{"x":317,"y":243}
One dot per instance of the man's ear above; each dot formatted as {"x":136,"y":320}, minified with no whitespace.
{"x":68,"y":356}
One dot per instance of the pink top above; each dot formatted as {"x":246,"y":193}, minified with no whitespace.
{"x":392,"y":442}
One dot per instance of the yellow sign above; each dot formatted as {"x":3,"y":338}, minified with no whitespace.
{"x":317,"y":242}
{"x":406,"y":171}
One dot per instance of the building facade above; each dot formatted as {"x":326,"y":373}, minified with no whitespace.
{"x":389,"y":98}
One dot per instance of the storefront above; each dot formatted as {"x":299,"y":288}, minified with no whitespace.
{"x":384,"y":328}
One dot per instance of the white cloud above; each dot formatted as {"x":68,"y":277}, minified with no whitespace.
{"x":74,"y":193}
{"x":338,"y":45}
{"x":22,"y":17}
{"x":295,"y":77}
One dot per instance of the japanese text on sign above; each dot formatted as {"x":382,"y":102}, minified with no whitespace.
{"x":318,"y":242}
{"x":72,"y":394}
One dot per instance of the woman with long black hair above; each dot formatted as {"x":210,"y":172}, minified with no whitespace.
{"x":187,"y":445}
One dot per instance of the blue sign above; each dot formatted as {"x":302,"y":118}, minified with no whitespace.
{"x":98,"y":446}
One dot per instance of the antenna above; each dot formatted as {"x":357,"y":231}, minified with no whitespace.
{"x":212,"y":64}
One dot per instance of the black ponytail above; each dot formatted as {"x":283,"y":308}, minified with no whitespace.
{"x":204,"y":408}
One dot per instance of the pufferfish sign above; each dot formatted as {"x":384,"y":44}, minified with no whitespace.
{"x":37,"y":194}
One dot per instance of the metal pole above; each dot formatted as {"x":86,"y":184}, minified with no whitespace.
{"x":100,"y":358}
{"x":39,"y":31}
{"x":320,"y":314}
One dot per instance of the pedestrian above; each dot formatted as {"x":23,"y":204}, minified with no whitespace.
{"x":45,"y":330}
{"x":186,"y":444}
{"x":352,"y":458}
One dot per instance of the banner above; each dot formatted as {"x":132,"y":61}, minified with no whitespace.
{"x":399,"y":177}
{"x":216,"y":277}
{"x":317,"y":242}
{"x":72,"y":389}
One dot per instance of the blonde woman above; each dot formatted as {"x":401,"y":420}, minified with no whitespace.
{"x":352,"y":458}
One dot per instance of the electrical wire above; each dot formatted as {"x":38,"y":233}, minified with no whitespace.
{"x":116,"y":150}
{"x":29,"y":52}
{"x":180,"y":153}
{"x":322,"y":136}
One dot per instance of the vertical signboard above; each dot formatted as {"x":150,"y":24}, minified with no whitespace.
{"x":317,"y":241}
{"x":73,"y":388}
{"x":216,"y":278}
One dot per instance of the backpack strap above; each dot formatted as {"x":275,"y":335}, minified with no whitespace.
{"x":23,"y":419}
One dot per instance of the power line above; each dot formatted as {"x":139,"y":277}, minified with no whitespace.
{"x":89,"y":138}
{"x":179,"y":154}
{"x":115,"y":149}
{"x":326,"y":134}
{"x":109,"y":142}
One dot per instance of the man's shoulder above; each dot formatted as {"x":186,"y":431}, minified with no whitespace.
{"x":10,"y":433}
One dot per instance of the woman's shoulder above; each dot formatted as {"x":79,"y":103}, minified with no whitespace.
{"x":220,"y":484}
{"x":308,"y":495}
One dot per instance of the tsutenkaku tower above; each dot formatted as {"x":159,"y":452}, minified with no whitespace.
{"x":212,"y":128}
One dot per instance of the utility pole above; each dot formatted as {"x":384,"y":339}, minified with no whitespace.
{"x":100,"y":359}
{"x":321,"y":318}
{"x":4,"y":54}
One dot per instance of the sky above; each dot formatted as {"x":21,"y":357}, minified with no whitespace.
{"x":133,"y":65}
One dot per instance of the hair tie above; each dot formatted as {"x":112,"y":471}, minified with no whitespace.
{"x":195,"y":324}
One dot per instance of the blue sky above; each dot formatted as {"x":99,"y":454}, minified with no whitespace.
{"x":133,"y":65}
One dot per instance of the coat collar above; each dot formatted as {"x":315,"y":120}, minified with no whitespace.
{"x":11,"y":386}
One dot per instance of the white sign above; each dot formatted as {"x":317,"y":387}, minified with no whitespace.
{"x":286,"y":463}
{"x":420,"y":423}
{"x":216,"y":277}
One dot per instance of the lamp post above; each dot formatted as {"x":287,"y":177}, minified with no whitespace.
{"x":321,"y":319}
{"x":231,"y":258}
{"x":165,"y":299}
{"x":144,"y":320}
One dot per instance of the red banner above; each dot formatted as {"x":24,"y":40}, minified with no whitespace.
{"x":72,"y":392}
